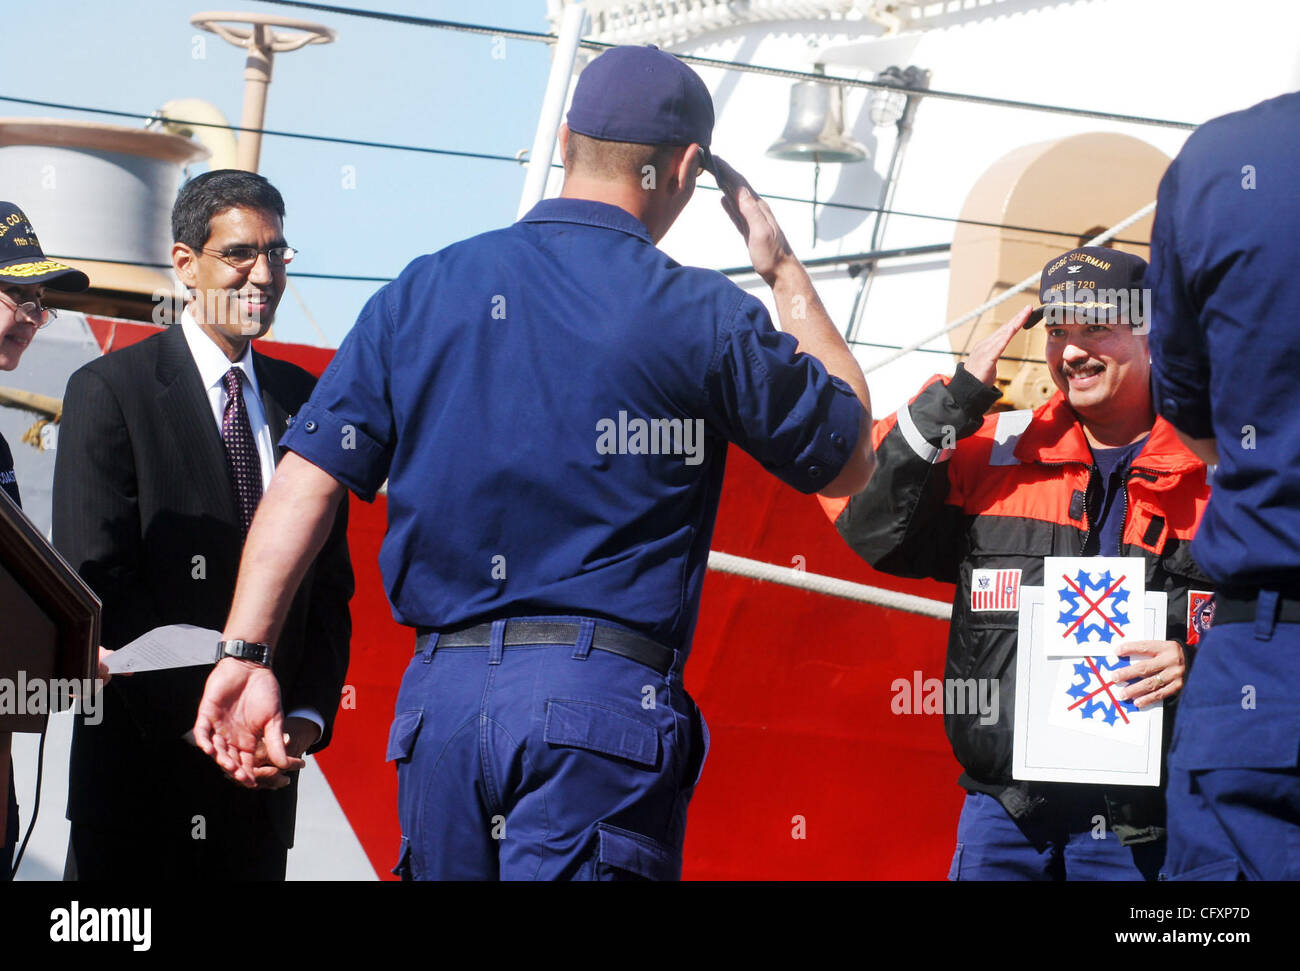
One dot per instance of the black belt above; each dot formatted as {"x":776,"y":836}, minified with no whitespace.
{"x":1239,"y":606}
{"x":519,"y":633}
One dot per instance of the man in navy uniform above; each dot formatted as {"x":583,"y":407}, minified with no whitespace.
{"x":1225,"y":292}
{"x":25,"y":273}
{"x":551,"y":404}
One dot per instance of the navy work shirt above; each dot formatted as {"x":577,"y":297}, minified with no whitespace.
{"x":1107,"y":527}
{"x":1225,"y":345}
{"x":550,"y":404}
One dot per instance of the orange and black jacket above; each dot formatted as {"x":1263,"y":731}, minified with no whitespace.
{"x":955,"y":492}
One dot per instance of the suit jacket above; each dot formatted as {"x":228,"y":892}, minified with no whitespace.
{"x":145,"y":511}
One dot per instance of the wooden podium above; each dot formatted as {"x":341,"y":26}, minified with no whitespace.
{"x":49,"y":621}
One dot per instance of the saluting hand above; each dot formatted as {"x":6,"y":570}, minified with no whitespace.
{"x":768,"y":247}
{"x":982,"y":364}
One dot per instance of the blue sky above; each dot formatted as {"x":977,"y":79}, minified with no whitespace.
{"x":378,"y":81}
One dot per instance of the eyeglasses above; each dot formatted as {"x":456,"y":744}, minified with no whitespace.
{"x":32,"y":308}
{"x":243,"y":257}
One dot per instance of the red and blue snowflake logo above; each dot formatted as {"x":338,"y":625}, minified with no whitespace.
{"x":1095,"y":694}
{"x":1090,"y":607}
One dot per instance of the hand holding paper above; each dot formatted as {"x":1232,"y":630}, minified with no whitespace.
{"x":1159,"y":665}
{"x":163,"y":648}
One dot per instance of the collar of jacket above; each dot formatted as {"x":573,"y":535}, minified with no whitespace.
{"x":1055,"y":436}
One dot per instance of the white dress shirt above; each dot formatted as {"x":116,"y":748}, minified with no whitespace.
{"x":213,"y":365}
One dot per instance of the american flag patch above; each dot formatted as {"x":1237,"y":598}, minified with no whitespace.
{"x":995,"y":590}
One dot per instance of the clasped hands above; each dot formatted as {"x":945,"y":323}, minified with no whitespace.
{"x":241,"y":726}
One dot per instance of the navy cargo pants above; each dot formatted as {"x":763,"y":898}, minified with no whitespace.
{"x":543,"y":762}
{"x":1234,"y":784}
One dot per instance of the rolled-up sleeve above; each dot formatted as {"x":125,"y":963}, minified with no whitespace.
{"x":347,"y":428}
{"x":1180,"y":366}
{"x":779,"y":405}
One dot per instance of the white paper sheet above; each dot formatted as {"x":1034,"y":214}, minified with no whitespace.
{"x":1051,"y":745}
{"x":164,"y":648}
{"x":1094,"y":604}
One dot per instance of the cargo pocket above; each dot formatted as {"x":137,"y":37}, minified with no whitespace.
{"x":402,"y":736}
{"x":1228,"y":869}
{"x":403,"y":868}
{"x":596,"y":728}
{"x":954,"y":871}
{"x":624,"y":855}
{"x":1232,"y":737}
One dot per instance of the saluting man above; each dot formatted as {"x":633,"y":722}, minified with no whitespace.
{"x":551,"y":568}
{"x":1092,"y":472}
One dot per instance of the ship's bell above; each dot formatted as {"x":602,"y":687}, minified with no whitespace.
{"x":814,"y":131}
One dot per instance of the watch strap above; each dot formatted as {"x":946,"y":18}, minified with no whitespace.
{"x":245,"y":651}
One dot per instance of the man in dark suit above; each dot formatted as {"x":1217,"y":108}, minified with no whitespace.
{"x":164,"y":451}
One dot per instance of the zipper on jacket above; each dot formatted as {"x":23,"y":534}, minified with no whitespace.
{"x":1094,"y":474}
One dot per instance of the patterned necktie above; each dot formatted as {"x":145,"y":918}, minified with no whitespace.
{"x":241,"y":450}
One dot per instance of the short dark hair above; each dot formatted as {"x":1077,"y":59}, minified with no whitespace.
{"x":214,"y":192}
{"x":615,"y":160}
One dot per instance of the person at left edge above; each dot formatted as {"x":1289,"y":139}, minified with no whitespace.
{"x":25,"y":273}
{"x":164,"y":451}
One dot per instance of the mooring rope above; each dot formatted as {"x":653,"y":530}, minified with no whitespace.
{"x":831,"y":586}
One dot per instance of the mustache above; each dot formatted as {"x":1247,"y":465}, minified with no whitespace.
{"x":1082,"y":370}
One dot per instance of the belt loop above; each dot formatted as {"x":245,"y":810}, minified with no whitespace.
{"x":586,"y":632}
{"x":428,"y":647}
{"x":498,"y":646}
{"x":1266,"y":615}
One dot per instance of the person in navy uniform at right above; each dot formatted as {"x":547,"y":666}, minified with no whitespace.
{"x":25,"y":273}
{"x":1225,"y":346}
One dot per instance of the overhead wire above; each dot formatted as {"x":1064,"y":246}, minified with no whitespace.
{"x":711,"y":62}
{"x":489,"y":156}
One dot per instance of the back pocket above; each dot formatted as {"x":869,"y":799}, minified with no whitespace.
{"x":596,"y":728}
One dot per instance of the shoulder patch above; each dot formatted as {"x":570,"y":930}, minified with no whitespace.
{"x":1200,"y":614}
{"x":1011,"y":425}
{"x":995,"y":589}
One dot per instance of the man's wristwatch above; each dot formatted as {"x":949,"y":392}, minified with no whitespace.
{"x":245,"y":651}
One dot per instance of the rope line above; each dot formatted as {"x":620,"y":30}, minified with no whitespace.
{"x":831,"y":586}
{"x":1020,"y":287}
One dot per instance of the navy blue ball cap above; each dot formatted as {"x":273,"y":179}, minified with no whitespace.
{"x":641,"y":95}
{"x":1091,"y":284}
{"x":21,"y":259}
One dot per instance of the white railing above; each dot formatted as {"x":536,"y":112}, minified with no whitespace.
{"x":670,"y":21}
